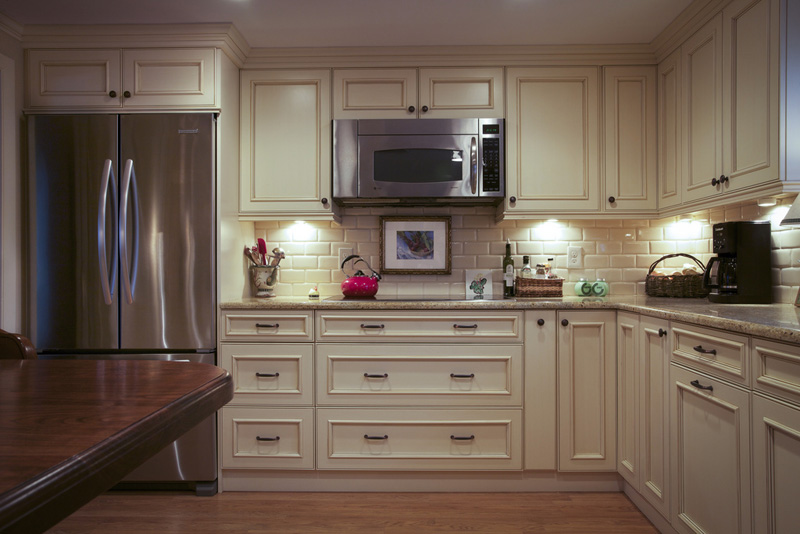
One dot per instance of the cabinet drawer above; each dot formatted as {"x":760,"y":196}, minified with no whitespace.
{"x":273,"y":439}
{"x":420,"y":326}
{"x":266,"y":326}
{"x":722,"y":354}
{"x":419,"y":439}
{"x":420,"y":375}
{"x":269,"y":373}
{"x":776,"y":369}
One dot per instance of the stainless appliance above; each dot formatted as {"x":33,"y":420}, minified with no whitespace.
{"x":445,"y":161}
{"x":122,"y":252}
{"x":741,"y":273}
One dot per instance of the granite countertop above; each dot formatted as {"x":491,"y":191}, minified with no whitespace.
{"x":780,"y":322}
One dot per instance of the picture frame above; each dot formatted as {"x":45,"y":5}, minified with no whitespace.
{"x":415,"y":245}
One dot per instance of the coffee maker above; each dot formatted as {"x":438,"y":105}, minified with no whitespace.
{"x":741,"y":273}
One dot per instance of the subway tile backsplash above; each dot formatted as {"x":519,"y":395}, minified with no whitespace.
{"x":619,"y":250}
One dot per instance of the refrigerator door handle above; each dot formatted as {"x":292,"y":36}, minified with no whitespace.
{"x":129,"y":189}
{"x":108,"y":279}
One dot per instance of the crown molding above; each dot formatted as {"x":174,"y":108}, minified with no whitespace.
{"x":685,"y":24}
{"x":10,"y":27}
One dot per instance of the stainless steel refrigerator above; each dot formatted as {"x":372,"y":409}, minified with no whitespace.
{"x":122,"y":253}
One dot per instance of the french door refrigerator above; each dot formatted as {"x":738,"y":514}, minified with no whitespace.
{"x":122,"y":253}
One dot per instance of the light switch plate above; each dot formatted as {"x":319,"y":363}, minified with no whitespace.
{"x":343,"y":253}
{"x":574,"y":258}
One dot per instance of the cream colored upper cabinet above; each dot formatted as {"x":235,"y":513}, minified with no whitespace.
{"x":552,"y":138}
{"x":669,"y":131}
{"x":117,"y":79}
{"x":630,"y":138}
{"x":587,"y":401}
{"x":441,"y":93}
{"x":285,"y":144}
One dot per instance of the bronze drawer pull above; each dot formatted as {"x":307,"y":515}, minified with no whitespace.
{"x":384,"y":375}
{"x":378,"y":326}
{"x":381,"y":438}
{"x":261,"y":325}
{"x":662,"y":332}
{"x":268,"y":375}
{"x":276,"y":438}
{"x":701,"y":350}
{"x":453,"y":375}
{"x":462,"y":438}
{"x":696,"y":383}
{"x":465,"y":326}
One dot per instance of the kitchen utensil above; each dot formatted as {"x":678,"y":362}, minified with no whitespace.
{"x":277,"y":255}
{"x":249,"y":255}
{"x":262,"y":250}
{"x":359,"y":285}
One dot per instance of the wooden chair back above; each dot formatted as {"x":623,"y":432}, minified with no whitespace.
{"x":16,"y":347}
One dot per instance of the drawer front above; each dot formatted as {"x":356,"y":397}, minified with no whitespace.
{"x":421,"y":375}
{"x":266,"y":326}
{"x":421,"y":326}
{"x":419,"y":439}
{"x":267,"y":439}
{"x":722,"y":354}
{"x":776,"y":369}
{"x":272,"y":373}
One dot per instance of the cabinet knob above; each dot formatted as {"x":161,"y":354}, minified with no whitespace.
{"x":424,"y":109}
{"x":126,"y":94}
{"x":719,"y":181}
{"x":564,"y":322}
{"x":411,"y":109}
{"x":512,"y":199}
{"x":662,"y":332}
{"x":324,"y":200}
{"x":540,"y":322}
{"x":112,"y":94}
{"x":611,"y":200}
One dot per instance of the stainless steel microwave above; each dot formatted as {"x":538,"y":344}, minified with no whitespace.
{"x":446,"y":161}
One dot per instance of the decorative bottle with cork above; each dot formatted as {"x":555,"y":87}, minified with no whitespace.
{"x":508,"y":272}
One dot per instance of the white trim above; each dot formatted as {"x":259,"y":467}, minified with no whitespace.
{"x":10,"y":199}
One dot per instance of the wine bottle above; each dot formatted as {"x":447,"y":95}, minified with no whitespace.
{"x":508,"y":272}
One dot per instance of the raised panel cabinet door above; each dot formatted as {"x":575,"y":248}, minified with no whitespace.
{"x":776,"y":465}
{"x":172,"y":78}
{"x":710,"y":449}
{"x":750,"y":70}
{"x":587,"y":397}
{"x":460,"y":93}
{"x":375,"y":93}
{"x":285,"y":144}
{"x":630,"y":138}
{"x":552,"y":138}
{"x":653,"y":408}
{"x":628,"y":384}
{"x":701,"y":123}
{"x":669,"y":131}
{"x":540,"y":390}
{"x":74,"y":79}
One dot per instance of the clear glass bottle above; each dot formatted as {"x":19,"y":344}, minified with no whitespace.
{"x":508,"y":272}
{"x":550,"y":269}
{"x":526,"y":271}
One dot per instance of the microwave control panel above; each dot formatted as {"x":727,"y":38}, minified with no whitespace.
{"x":491,"y":164}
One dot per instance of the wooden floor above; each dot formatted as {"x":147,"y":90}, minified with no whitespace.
{"x":374,"y":513}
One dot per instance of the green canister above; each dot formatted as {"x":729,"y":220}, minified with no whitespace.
{"x":583,"y":287}
{"x":600,"y":288}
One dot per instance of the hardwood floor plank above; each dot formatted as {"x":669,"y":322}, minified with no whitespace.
{"x":382,"y":513}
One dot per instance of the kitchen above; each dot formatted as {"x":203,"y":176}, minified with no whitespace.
{"x":619,"y":248}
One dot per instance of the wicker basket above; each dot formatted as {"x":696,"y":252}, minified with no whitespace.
{"x":676,"y":285}
{"x":538,"y":287}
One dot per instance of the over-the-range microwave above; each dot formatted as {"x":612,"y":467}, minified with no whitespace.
{"x":395,"y":161}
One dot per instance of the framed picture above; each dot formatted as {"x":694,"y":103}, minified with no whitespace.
{"x":415,"y":245}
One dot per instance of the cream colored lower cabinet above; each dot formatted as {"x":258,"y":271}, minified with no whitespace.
{"x":587,"y":400}
{"x":541,"y":421}
{"x":710,"y":449}
{"x":265,"y":438}
{"x":776,"y":465}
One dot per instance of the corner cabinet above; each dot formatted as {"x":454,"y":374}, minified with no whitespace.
{"x":285,"y":145}
{"x":435,"y":93}
{"x":115,"y":79}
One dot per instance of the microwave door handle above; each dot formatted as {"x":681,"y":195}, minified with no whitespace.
{"x":473,"y":165}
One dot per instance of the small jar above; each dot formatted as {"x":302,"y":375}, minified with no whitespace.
{"x":583,"y":287}
{"x":600,"y":288}
{"x":541,"y":273}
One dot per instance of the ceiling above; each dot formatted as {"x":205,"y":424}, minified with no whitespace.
{"x":326,"y":23}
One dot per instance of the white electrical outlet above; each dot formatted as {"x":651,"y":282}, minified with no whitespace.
{"x":343,"y":253}
{"x":574,"y":258}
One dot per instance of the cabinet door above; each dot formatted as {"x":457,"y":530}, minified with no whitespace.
{"x":540,"y":385}
{"x":710,"y":448}
{"x":653,"y":405}
{"x":776,"y":463}
{"x":669,"y":131}
{"x":587,"y":391}
{"x":701,"y":60}
{"x":171,"y":78}
{"x":751,"y":57}
{"x":630,"y":138}
{"x":461,"y":93}
{"x":628,"y":385}
{"x":74,"y":79}
{"x":285,"y":144}
{"x":375,"y":93}
{"x":552,"y":140}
